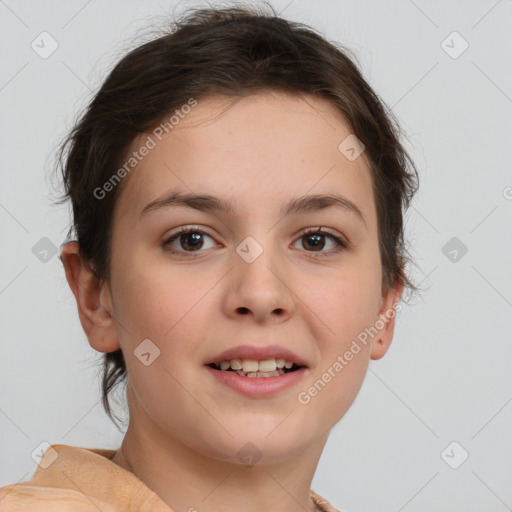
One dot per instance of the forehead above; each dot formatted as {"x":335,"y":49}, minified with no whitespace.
{"x":270,"y":143}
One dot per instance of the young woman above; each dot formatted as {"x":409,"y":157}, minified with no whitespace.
{"x":238,"y":193}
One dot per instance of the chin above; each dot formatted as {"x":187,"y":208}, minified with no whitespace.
{"x":257,"y":446}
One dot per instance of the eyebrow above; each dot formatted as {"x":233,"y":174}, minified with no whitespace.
{"x":206,"y":203}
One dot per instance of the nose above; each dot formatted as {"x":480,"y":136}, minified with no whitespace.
{"x":259,"y":289}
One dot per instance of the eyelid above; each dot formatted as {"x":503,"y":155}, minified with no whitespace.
{"x":185,"y":229}
{"x":342,"y":243}
{"x":192,"y":228}
{"x":327,"y":231}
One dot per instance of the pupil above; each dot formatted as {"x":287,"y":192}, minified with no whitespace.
{"x":318,"y":241}
{"x":191,"y":237}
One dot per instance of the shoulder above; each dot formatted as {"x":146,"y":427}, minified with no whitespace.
{"x":82,"y":480}
{"x":24,"y":496}
{"x":322,"y":503}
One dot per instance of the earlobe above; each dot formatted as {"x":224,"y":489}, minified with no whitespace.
{"x":92,"y":298}
{"x":379,"y":348}
{"x":386,"y":322}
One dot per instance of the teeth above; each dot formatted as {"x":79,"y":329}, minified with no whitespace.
{"x":268,"y":365}
{"x":252,"y":368}
{"x":275,"y":373}
{"x":236,"y":364}
{"x":249,"y":365}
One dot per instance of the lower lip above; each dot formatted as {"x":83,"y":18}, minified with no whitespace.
{"x":257,"y":387}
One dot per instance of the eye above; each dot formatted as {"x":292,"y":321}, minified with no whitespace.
{"x":190,"y":239}
{"x":314,"y":240}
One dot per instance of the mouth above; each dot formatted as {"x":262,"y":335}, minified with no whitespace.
{"x":255,"y":373}
{"x":252,"y":368}
{"x":257,"y":362}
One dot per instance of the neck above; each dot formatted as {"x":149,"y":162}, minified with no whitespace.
{"x":187,"y":480}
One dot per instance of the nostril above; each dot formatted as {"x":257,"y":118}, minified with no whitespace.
{"x":243,"y":310}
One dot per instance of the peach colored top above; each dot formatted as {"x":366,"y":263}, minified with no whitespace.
{"x":71,"y":478}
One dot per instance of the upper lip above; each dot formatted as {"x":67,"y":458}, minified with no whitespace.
{"x":257,"y":353}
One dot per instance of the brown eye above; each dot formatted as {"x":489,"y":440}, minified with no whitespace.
{"x":315,"y":240}
{"x":188,"y":240}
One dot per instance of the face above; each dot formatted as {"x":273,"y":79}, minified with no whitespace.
{"x":306,"y":279}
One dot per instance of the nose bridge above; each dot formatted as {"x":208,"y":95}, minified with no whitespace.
{"x":259,"y":286}
{"x":262,"y":253}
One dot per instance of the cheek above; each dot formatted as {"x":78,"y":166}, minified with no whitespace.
{"x":334,"y":388}
{"x":343,"y":311}
{"x":155,"y":299}
{"x":346,"y":303}
{"x":169,"y":307}
{"x":152,"y":305}
{"x":344,"y":351}
{"x":168,"y":310}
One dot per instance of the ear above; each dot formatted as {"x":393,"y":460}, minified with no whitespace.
{"x":93,"y":299}
{"x":386,"y":322}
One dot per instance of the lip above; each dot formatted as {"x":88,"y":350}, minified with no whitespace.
{"x":257,"y":387}
{"x":258,"y":354}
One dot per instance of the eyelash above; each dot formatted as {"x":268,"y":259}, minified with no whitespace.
{"x":341,"y":245}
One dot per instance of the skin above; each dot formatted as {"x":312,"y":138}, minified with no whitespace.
{"x":185,"y":428}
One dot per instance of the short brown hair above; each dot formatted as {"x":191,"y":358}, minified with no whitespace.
{"x":231,"y":51}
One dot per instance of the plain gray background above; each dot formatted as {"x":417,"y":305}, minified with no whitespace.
{"x":447,"y":376}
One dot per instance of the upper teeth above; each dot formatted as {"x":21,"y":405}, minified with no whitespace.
{"x":251,"y":365}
